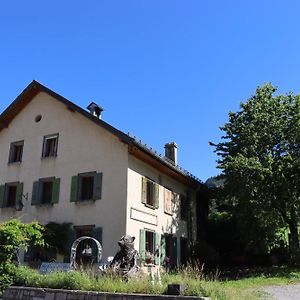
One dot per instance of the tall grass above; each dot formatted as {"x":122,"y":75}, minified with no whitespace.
{"x":196,"y":281}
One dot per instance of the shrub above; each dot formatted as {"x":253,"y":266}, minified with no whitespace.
{"x":14,"y":235}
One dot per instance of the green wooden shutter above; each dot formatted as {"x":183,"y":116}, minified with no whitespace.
{"x":174,"y":251}
{"x":74,"y":189}
{"x":2,"y":189}
{"x":163,"y":249}
{"x":55,"y":191}
{"x":156,"y":195}
{"x":142,"y":243}
{"x":40,"y":192}
{"x":97,"y":234}
{"x":97,"y":193}
{"x":19,"y":195}
{"x":71,"y":239}
{"x":157,"y":249}
{"x":144,"y":190}
{"x":35,"y":193}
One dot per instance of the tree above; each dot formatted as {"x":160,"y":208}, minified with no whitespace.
{"x":15,"y":235}
{"x":259,"y":156}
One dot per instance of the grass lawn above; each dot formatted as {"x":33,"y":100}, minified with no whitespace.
{"x":198,"y":284}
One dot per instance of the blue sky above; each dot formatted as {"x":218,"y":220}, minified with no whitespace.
{"x":162,"y":70}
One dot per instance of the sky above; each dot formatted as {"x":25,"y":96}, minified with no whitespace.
{"x":163,"y":70}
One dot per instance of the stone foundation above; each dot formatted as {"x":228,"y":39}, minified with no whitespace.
{"x":27,"y":293}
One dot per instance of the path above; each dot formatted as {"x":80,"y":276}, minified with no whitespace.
{"x":283,"y":292}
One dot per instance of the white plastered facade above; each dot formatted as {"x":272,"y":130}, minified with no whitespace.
{"x":84,"y":146}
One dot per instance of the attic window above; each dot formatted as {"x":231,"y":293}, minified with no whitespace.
{"x":16,"y":152}
{"x":38,"y":118}
{"x":50,"y":145}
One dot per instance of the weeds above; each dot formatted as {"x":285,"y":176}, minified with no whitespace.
{"x":197,"y":282}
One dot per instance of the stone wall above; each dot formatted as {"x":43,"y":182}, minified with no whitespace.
{"x":27,"y":293}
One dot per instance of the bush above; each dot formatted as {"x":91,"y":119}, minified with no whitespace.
{"x":15,"y":235}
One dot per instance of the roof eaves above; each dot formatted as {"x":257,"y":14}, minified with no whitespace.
{"x":35,"y":86}
{"x":164,"y":161}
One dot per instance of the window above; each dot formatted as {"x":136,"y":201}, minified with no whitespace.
{"x":50,"y":145}
{"x":85,"y":230}
{"x":183,"y":250}
{"x":149,"y":241}
{"x":45,"y":191}
{"x":169,"y":198}
{"x":153,"y":243}
{"x":11,"y":195}
{"x":86,"y":186}
{"x":183,"y":207}
{"x":46,"y":186}
{"x":16,"y":152}
{"x":150,"y":193}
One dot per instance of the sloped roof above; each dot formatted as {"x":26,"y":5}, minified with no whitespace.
{"x":135,"y":146}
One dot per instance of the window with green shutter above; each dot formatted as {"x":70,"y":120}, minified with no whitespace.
{"x":150,"y":193}
{"x":153,"y":243}
{"x":45,"y":191}
{"x":86,"y":186}
{"x":11,"y":195}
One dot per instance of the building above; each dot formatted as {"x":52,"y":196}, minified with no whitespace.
{"x":61,"y":163}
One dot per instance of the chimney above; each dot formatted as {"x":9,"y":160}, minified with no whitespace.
{"x":95,"y":110}
{"x":171,"y":152}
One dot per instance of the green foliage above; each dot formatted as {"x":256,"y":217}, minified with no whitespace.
{"x":260,"y":162}
{"x":197,"y":283}
{"x":15,"y":235}
{"x":56,"y":235}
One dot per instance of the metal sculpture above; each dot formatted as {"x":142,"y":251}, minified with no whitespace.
{"x":126,"y":260}
{"x":73,"y":264}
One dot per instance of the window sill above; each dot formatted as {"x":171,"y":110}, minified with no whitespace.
{"x":84,"y":202}
{"x":43,"y":205}
{"x":48,"y":157}
{"x":9,"y":207}
{"x":168,"y":213}
{"x":14,"y":163}
{"x":150,"y":206}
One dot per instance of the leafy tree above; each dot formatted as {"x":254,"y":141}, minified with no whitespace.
{"x":15,"y":235}
{"x":260,"y":160}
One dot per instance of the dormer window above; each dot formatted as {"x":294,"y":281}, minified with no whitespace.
{"x":50,"y":145}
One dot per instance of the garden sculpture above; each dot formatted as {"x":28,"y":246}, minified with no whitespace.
{"x":126,"y":260}
{"x":87,"y":250}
